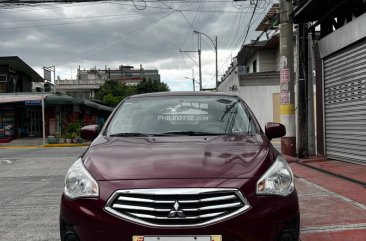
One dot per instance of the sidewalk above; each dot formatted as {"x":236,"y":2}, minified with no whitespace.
{"x":332,"y":196}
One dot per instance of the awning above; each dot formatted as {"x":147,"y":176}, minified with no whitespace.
{"x":51,"y":99}
{"x":11,"y":98}
{"x":62,"y":100}
{"x":69,"y":100}
{"x":97,"y":106}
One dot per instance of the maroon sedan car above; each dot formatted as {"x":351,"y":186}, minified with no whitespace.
{"x":180,"y":166}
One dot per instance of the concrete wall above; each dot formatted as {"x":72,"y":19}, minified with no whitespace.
{"x":259,"y":99}
{"x":232,"y":79}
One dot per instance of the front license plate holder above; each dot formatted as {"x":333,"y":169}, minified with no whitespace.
{"x":178,"y":238}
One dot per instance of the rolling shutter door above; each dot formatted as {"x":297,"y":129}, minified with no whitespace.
{"x":345,"y":104}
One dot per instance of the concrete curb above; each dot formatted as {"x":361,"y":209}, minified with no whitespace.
{"x":46,"y":146}
{"x":290,"y":159}
{"x":18,"y":147}
{"x":65,"y":145}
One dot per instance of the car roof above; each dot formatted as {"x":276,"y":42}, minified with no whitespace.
{"x":182,"y":93}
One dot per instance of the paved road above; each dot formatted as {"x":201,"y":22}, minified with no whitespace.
{"x":31,"y":186}
{"x":31,"y":183}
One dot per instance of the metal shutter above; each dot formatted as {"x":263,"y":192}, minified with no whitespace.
{"x":345,"y":104}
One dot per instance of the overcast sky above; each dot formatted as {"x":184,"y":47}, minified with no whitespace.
{"x":114,"y":33}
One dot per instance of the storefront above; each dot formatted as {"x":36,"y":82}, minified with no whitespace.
{"x":42,"y":115}
{"x":20,"y":116}
{"x":340,"y":75}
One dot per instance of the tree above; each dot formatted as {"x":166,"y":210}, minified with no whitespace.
{"x":147,"y":86}
{"x":112,"y":92}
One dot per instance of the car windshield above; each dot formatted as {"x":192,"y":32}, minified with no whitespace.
{"x":182,"y":115}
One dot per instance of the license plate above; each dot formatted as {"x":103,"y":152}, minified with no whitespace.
{"x":178,"y":238}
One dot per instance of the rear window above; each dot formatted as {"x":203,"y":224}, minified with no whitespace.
{"x":169,"y":114}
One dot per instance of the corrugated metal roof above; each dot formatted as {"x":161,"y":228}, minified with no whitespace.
{"x":271,"y":20}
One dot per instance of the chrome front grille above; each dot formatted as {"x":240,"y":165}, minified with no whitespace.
{"x":177,"y":207}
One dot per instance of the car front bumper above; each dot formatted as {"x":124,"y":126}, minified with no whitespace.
{"x":269,"y":218}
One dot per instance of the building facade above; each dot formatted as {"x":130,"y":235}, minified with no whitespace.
{"x":24,"y":113}
{"x":16,"y":75}
{"x":88,"y":82}
{"x":254,"y":73}
{"x":340,"y":75}
{"x":255,"y":77}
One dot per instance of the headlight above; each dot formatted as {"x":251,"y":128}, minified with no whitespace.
{"x":79,"y":183}
{"x":278,"y":179}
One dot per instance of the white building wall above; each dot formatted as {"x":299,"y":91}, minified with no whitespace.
{"x":225,"y":85}
{"x":232,"y":79}
{"x":259,"y":99}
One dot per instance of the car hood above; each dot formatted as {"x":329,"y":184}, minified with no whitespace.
{"x":118,"y":158}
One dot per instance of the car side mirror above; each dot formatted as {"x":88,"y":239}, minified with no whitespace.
{"x":89,"y":132}
{"x":274,"y":130}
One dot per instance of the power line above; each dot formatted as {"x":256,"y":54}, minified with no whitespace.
{"x":244,"y":35}
{"x":70,"y":18}
{"x":68,"y":23}
{"x":251,"y":23}
{"x":109,"y":44}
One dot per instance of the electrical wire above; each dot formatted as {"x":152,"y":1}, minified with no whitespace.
{"x":67,"y":23}
{"x":106,"y":45}
{"x":137,"y":7}
{"x":244,"y":37}
{"x":71,"y":18}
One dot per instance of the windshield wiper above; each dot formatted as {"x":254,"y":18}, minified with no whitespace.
{"x":131,"y":134}
{"x":228,"y":109}
{"x":187,"y":133}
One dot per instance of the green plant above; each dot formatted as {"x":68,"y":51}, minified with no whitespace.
{"x":74,"y":135}
{"x":68,"y":135}
{"x":72,"y":130}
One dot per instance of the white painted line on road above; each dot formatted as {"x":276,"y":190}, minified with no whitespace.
{"x":320,"y":229}
{"x":336,"y":195}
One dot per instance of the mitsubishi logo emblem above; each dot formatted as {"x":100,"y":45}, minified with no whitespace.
{"x":176,"y":211}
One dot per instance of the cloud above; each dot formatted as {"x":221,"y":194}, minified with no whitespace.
{"x":116,"y":33}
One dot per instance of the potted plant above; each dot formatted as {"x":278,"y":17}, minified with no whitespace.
{"x":72,"y":132}
{"x":51,"y":140}
{"x":60,"y":139}
{"x":74,"y":137}
{"x":68,"y":137}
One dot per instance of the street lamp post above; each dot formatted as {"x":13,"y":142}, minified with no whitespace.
{"x":215,"y":46}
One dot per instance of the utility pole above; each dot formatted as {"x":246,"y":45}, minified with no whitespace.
{"x":217,"y":72}
{"x":199,"y":61}
{"x":310,"y":104}
{"x":193,"y":81}
{"x":215,"y":47}
{"x":287,"y":102}
{"x":302,"y":138}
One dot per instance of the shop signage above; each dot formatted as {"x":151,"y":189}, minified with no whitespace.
{"x":47,"y":74}
{"x":33,"y":102}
